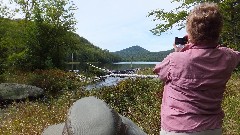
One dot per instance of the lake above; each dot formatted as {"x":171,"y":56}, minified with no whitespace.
{"x":113,"y":66}
{"x":110,"y":81}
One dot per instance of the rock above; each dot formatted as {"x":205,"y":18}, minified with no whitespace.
{"x":14,"y":91}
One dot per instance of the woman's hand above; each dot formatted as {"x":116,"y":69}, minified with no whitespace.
{"x":178,"y":48}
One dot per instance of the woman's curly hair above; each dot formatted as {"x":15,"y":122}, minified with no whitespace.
{"x":204,"y":24}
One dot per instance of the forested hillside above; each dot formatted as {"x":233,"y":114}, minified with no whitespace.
{"x":44,"y":37}
{"x":30,"y":45}
{"x":137,"y":53}
{"x":85,"y":51}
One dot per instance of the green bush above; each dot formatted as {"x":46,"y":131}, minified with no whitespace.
{"x":137,"y":99}
{"x":146,"y":71}
{"x":16,"y":76}
{"x":55,"y":81}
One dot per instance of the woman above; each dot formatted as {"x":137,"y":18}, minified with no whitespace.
{"x":195,"y":77}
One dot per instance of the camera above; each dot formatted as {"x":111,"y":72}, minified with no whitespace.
{"x":181,"y":41}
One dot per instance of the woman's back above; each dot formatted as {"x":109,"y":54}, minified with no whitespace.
{"x":194,"y":88}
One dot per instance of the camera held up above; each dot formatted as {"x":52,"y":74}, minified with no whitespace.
{"x":181,"y":41}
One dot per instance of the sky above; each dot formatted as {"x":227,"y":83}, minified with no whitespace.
{"x":118,"y":24}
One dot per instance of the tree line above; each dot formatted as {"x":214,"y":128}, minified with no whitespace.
{"x":44,"y":37}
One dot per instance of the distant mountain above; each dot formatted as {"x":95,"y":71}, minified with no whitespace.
{"x":137,"y":53}
{"x":133,"y":49}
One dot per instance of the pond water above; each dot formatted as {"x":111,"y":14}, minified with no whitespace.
{"x":110,"y":81}
{"x":131,"y":65}
{"x":113,"y":66}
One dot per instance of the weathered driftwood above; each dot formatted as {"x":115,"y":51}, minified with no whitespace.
{"x":131,"y":75}
{"x":121,"y":74}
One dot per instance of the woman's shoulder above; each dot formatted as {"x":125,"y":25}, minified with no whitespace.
{"x":229,"y":50}
{"x":180,"y":57}
{"x":176,"y":55}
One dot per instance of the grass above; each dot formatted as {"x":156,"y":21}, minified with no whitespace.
{"x":231,"y":106}
{"x":138,"y":99}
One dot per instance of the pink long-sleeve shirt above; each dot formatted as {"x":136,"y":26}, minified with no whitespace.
{"x":195,"y":81}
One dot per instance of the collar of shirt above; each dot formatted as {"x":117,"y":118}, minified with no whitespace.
{"x":202,"y":46}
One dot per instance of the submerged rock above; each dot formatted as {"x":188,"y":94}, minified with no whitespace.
{"x":14,"y":91}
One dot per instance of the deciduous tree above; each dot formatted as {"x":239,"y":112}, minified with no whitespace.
{"x":176,"y":17}
{"x":47,"y":24}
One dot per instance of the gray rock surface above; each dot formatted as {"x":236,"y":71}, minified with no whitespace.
{"x":14,"y":91}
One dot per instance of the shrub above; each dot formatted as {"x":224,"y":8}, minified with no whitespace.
{"x":146,"y":71}
{"x":55,"y":81}
{"x":16,"y":76}
{"x":137,"y":99}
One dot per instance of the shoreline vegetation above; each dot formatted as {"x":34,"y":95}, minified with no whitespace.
{"x":41,"y":40}
{"x":138,"y":99}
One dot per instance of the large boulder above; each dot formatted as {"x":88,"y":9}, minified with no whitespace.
{"x":14,"y":91}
